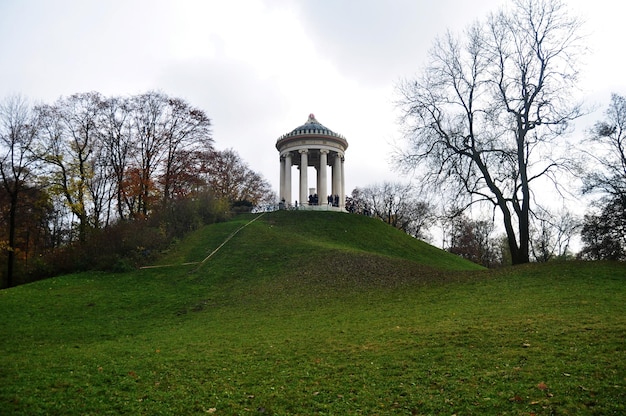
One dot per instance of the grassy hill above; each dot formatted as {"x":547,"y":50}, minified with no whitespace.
{"x":316,"y":313}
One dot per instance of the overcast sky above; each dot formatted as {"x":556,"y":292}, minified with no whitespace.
{"x":259,"y":67}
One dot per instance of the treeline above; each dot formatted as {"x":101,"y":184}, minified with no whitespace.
{"x":103,"y":182}
{"x":479,"y":240}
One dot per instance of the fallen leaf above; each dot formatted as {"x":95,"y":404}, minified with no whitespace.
{"x":542,"y":386}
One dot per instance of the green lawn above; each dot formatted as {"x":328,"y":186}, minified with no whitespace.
{"x":317,"y":313}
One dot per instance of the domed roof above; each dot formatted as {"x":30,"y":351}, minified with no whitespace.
{"x":312,"y":129}
{"x":313,"y":124}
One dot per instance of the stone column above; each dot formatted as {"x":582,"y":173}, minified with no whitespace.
{"x":342,"y":195}
{"x":332,"y":177}
{"x":287,"y":178}
{"x":337,"y":177}
{"x":317,"y":183}
{"x":304,"y":180}
{"x":322,"y":190}
{"x":281,"y":194}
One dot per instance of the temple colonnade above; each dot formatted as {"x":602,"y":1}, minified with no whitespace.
{"x":313,"y":145}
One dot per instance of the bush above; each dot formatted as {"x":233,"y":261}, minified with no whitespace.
{"x":128,"y":244}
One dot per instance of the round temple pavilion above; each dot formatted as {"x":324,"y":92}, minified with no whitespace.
{"x":313,"y":145}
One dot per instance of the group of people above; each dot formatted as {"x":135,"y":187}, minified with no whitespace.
{"x":332,"y":200}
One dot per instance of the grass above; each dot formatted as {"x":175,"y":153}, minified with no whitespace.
{"x":325,"y":313}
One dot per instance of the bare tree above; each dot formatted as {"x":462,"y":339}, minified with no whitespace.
{"x":356,"y":203}
{"x":394,"y":203}
{"x":472,"y":240}
{"x":186,"y":129}
{"x":608,"y":138}
{"x":163,"y":127}
{"x":18,"y":133}
{"x":604,"y":232}
{"x":483,"y":119}
{"x":552,"y":234}
{"x":71,"y":138}
{"x":148,"y":120}
{"x":116,"y":145}
{"x":230,"y":178}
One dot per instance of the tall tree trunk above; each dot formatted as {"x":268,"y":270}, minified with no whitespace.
{"x":523,"y":214}
{"x":523,"y":256}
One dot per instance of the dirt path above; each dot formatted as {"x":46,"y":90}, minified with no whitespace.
{"x":200,"y":263}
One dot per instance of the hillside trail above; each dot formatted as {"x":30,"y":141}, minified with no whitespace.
{"x":200,"y":263}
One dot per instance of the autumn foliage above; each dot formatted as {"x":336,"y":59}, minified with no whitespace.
{"x":105,"y":182}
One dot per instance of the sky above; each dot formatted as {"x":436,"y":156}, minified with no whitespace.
{"x":258,"y":68}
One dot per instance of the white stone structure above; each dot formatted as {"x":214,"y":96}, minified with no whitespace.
{"x":312,"y":144}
